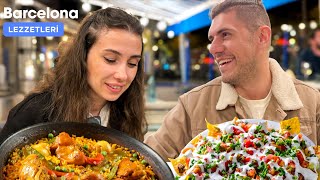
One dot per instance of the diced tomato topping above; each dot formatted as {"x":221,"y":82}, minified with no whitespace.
{"x":236,"y":131}
{"x":248,"y":143}
{"x":249,"y":152}
{"x":302,"y":161}
{"x":287,"y":135}
{"x":247,"y":159}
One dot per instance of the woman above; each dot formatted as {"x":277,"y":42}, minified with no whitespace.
{"x":100,"y":73}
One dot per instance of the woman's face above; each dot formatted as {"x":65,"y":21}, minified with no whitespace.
{"x":112,"y":63}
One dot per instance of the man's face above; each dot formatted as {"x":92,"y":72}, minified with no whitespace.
{"x":233,"y":47}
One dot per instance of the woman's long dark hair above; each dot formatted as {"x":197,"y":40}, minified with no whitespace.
{"x":67,"y":81}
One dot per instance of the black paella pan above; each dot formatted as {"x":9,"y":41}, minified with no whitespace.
{"x":33,"y":133}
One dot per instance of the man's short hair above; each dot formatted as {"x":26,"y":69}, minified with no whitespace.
{"x":251,"y":12}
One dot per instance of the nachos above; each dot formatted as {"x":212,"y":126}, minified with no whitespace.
{"x":242,"y":150}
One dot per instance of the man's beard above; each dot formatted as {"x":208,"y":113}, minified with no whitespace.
{"x":244,"y":73}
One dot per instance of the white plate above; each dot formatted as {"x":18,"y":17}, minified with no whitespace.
{"x":270,"y":125}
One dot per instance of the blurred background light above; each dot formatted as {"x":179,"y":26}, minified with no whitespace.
{"x":284,"y":27}
{"x":208,"y":46}
{"x":292,"y":41}
{"x":86,"y":7}
{"x":65,"y":38}
{"x":170,"y":34}
{"x":25,"y":2}
{"x":155,"y":48}
{"x":161,"y":25}
{"x":156,"y":34}
{"x":34,"y":41}
{"x":313,"y":24}
{"x":144,"y":21}
{"x":42,"y":57}
{"x":302,"y":26}
{"x":293,"y":33}
{"x":145,"y":40}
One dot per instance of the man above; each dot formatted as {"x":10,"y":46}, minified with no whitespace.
{"x":251,"y":84}
{"x":312,"y":54}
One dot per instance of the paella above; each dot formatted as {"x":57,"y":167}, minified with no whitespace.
{"x":70,"y":157}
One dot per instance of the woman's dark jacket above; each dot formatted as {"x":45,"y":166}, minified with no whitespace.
{"x":28,"y":112}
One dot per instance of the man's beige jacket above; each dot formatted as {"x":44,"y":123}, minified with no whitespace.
{"x":218,"y":102}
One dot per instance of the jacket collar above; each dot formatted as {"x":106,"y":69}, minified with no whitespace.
{"x":282,"y":89}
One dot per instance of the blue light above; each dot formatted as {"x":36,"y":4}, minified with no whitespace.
{"x":202,"y":19}
{"x":166,"y":66}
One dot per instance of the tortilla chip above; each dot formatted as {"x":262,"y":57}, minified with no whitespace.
{"x":179,"y":162}
{"x":317,"y":150}
{"x":292,"y":125}
{"x":213,"y":129}
{"x":235,"y":120}
{"x":195,"y":140}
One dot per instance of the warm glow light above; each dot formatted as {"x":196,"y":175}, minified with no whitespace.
{"x":50,"y":55}
{"x":65,"y":38}
{"x":313,"y":24}
{"x":306,"y":65}
{"x":292,"y":41}
{"x":208,"y":46}
{"x":156,"y":34}
{"x":34,"y":41}
{"x":196,"y":67}
{"x":284,"y":27}
{"x":42,"y":57}
{"x":86,"y":7}
{"x":155,"y":48}
{"x":145,"y":40}
{"x":302,"y":26}
{"x":161,"y":25}
{"x":156,"y":62}
{"x":173,"y":67}
{"x":144,"y":21}
{"x":25,"y":2}
{"x":29,"y":72}
{"x":49,"y":38}
{"x":271,"y":49}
